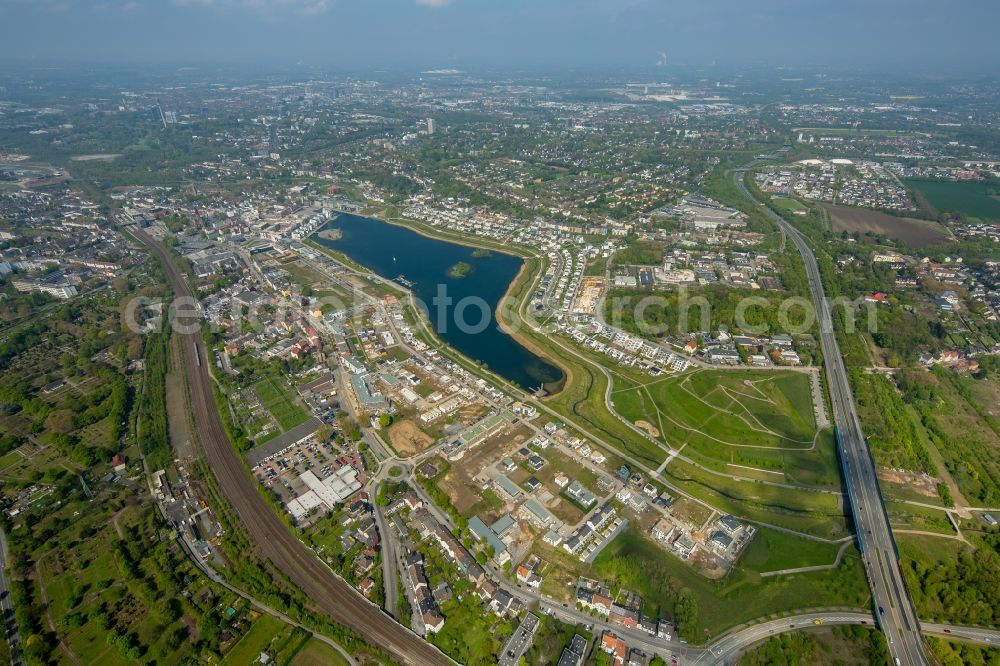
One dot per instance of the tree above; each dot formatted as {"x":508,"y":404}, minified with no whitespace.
{"x":602,"y":658}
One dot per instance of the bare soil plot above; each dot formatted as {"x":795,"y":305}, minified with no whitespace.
{"x":459,"y":489}
{"x":648,"y":427}
{"x":918,"y":483}
{"x":908,"y":230}
{"x":458,"y":482}
{"x":179,"y":430}
{"x":407,"y":438}
{"x":96,"y":157}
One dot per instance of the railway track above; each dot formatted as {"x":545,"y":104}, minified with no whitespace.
{"x":272,"y":538}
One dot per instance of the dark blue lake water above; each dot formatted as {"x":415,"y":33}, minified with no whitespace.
{"x":456,"y":305}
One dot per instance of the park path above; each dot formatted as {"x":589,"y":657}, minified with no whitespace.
{"x":48,"y":612}
{"x":817,"y":567}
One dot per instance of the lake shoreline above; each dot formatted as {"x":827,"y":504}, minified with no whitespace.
{"x":552,"y":388}
{"x":515,"y":283}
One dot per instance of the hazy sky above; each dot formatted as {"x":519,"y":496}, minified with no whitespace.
{"x":920,"y":35}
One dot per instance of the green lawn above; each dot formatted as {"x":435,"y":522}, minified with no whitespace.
{"x":730,"y":421}
{"x":815,"y":513}
{"x":280,"y":403}
{"x":774,"y":550}
{"x":468,"y":635}
{"x":785,"y":203}
{"x":963,"y":197}
{"x":256,"y":640}
{"x":318,"y":653}
{"x":911,"y":517}
{"x":642,"y":566}
{"x":9,"y":459}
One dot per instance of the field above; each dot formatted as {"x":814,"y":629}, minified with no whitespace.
{"x":255,"y":641}
{"x":907,"y":230}
{"x":318,"y":653}
{"x":281,"y":641}
{"x":739,"y":429}
{"x":645,"y":254}
{"x":939,"y":421}
{"x":772,"y":550}
{"x":113,"y":590}
{"x":663,"y":580}
{"x":278,"y":401}
{"x":747,"y":418}
{"x":959,"y":197}
{"x":719,"y":475}
{"x":332,"y":296}
{"x":787,"y":204}
{"x":407,"y":438}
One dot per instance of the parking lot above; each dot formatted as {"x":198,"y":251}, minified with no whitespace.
{"x":282,"y":471}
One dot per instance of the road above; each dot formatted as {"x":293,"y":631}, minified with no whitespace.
{"x":214,"y":576}
{"x":260,"y":605}
{"x":972,"y":634}
{"x":13,"y":637}
{"x":728,"y":648}
{"x":897,"y":617}
{"x":390,"y":558}
{"x":568,"y":613}
{"x":273,"y":540}
{"x":725,"y":650}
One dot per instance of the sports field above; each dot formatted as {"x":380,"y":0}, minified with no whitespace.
{"x":279,"y":402}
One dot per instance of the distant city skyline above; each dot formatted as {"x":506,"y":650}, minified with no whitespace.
{"x":920,"y":36}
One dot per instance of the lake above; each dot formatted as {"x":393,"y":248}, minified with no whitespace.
{"x":457,"y":287}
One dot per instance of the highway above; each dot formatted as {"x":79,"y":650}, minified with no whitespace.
{"x":345,"y":606}
{"x":895,"y":613}
{"x":273,"y":540}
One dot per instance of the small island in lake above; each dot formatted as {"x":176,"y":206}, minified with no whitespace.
{"x":459,"y":270}
{"x":481,"y":253}
{"x":332,"y":234}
